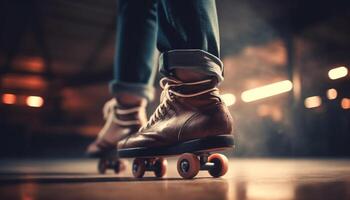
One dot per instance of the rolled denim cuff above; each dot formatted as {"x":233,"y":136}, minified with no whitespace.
{"x":139,"y":89}
{"x":194,"y":59}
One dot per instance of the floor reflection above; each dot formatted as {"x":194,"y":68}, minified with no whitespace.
{"x":339,"y":190}
{"x":247,"y":179}
{"x":269,"y":191}
{"x":28,"y":191}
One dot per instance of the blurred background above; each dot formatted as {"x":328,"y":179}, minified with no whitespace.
{"x":286,"y":75}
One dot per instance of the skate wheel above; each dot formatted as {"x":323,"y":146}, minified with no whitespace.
{"x":188,"y":165}
{"x":220,"y":165}
{"x":138,"y":168}
{"x":117,"y":166}
{"x":160,"y":165}
{"x":102,"y":166}
{"x":120,"y":165}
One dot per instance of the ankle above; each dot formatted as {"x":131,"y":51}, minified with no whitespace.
{"x":130,"y":100}
{"x":187,"y":75}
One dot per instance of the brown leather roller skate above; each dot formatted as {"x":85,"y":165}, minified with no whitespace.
{"x":121,"y":121}
{"x":191,"y":120}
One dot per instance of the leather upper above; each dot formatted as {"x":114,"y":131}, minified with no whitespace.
{"x":183,"y":119}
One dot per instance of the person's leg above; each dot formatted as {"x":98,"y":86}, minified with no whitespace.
{"x":190,"y":107}
{"x":133,"y":74}
{"x":135,"y":49}
{"x":189,"y":39}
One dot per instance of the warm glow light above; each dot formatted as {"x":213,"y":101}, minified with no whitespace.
{"x":26,"y":82}
{"x":272,"y":111}
{"x":337,"y":72}
{"x":313,"y":102}
{"x":35,"y":101}
{"x":263,"y":110}
{"x":9,"y":98}
{"x":269,"y":191}
{"x":228,"y":99}
{"x":29,"y":63}
{"x":345,"y":103}
{"x":332,"y":93}
{"x":267,"y":91}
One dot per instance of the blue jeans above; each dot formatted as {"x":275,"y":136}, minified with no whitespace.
{"x":184,"y":31}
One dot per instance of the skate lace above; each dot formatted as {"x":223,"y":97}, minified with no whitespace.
{"x":166,"y":96}
{"x":110,"y":108}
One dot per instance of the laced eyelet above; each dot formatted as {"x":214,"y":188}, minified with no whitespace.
{"x":169,"y":95}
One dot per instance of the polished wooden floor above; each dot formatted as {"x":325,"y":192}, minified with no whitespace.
{"x":247,"y":179}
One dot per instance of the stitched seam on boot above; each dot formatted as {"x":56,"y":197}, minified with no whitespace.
{"x":184,"y":125}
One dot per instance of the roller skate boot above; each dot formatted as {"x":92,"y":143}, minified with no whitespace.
{"x":120,"y":122}
{"x":191,"y":120}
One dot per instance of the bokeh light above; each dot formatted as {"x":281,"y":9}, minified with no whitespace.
{"x":9,"y":98}
{"x":267,"y":91}
{"x":345,"y":103}
{"x":229,"y":99}
{"x":34,"y":101}
{"x":313,"y":102}
{"x":332,"y":94}
{"x":338,"y":72}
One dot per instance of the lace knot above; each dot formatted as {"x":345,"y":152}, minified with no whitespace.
{"x":167,"y":95}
